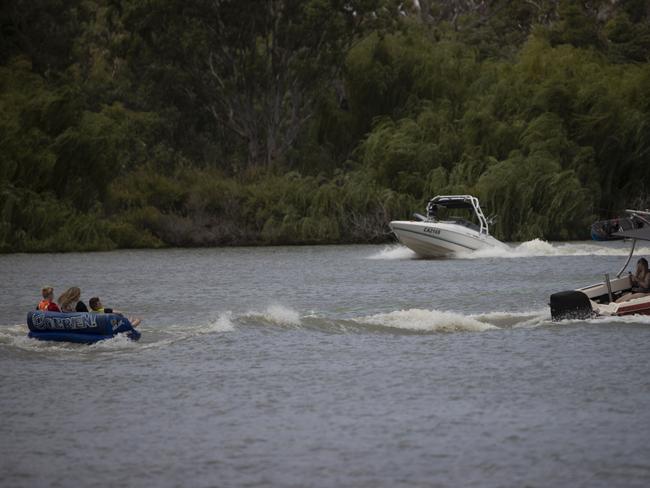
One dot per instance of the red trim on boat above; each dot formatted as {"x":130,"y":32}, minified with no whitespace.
{"x":639,"y":308}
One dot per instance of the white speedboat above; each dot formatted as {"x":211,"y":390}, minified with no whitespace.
{"x":601,"y":298}
{"x":440,"y":235}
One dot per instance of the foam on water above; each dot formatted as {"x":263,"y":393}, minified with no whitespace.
{"x":223,"y":323}
{"x":7,"y":332}
{"x":276,"y":315}
{"x":427,"y":321}
{"x":513,"y":320}
{"x":420,"y":320}
{"x":16,"y":336}
{"x":643,"y":320}
{"x":395,"y":251}
{"x":533,"y":248}
{"x":120,"y":341}
{"x":540,"y":248}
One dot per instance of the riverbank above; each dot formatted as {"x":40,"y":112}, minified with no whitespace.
{"x":203,"y":208}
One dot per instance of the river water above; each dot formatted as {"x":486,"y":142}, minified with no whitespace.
{"x":325,"y":367}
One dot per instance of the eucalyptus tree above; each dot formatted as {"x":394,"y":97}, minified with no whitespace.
{"x":256,"y":66}
{"x":42,"y":30}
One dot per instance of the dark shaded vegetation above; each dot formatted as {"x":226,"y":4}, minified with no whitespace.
{"x":146,"y":123}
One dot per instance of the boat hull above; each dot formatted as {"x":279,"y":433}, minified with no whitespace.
{"x":637,"y":306}
{"x":591,"y":301}
{"x":437,"y":240}
{"x":601,"y":298}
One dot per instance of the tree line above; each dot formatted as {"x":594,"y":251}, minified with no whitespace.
{"x":148,"y":123}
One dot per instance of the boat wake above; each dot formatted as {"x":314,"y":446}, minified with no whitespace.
{"x":15,"y":336}
{"x":534,"y":248}
{"x":411,"y":321}
{"x":394,"y":251}
{"x":418,"y":320}
{"x":275,"y":315}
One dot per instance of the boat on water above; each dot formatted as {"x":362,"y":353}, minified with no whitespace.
{"x":606,"y":230}
{"x":80,"y":327}
{"x":441,"y":234}
{"x":600,"y":299}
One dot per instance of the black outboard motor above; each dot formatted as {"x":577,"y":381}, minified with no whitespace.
{"x":571,"y":305}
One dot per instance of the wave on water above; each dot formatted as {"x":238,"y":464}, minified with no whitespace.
{"x":223,"y":323}
{"x":539,"y":247}
{"x":427,"y":321}
{"x":515,"y":320}
{"x":418,"y":321}
{"x":395,"y":251}
{"x":528,"y":249}
{"x":414,"y":320}
{"x":431,"y":321}
{"x":411,"y":320}
{"x":16,"y":336}
{"x":643,"y":320}
{"x":274,"y":315}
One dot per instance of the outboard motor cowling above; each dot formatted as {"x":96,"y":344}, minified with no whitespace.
{"x":571,"y":305}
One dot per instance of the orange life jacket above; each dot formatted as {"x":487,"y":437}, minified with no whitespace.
{"x":43,"y":305}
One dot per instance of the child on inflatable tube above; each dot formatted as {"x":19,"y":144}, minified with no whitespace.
{"x":97,"y":307}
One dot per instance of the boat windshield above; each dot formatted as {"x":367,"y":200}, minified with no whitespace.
{"x":463,"y":222}
{"x":461,"y":216}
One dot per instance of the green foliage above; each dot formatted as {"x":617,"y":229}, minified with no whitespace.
{"x":393,"y":75}
{"x":533,"y":197}
{"x":43,"y":30}
{"x":148,"y":123}
{"x":40,"y":222}
{"x":209,"y":209}
{"x":558,"y":122}
{"x":575,"y":26}
{"x":258,"y":73}
{"x":629,"y":41}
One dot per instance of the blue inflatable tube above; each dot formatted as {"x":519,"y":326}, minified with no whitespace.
{"x":82,"y":327}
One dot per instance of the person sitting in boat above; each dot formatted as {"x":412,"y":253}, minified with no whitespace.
{"x":47,"y":303}
{"x":97,"y":307}
{"x":640,"y":282}
{"x":70,"y":301}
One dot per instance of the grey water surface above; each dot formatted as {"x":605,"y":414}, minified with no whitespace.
{"x":324,"y":367}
